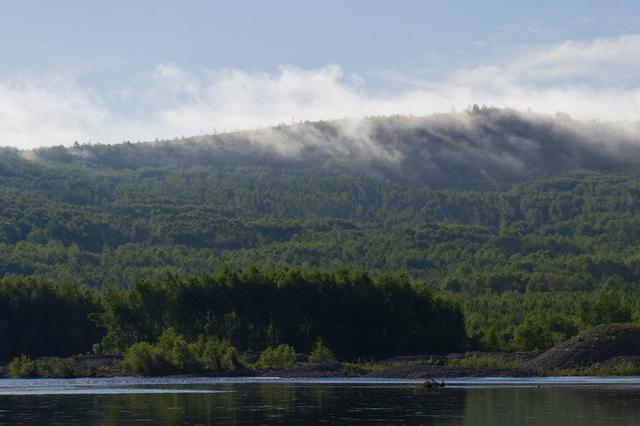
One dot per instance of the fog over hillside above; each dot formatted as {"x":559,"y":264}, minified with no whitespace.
{"x":479,"y":147}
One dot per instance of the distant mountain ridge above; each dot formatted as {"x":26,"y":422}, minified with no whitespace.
{"x":478,"y":148}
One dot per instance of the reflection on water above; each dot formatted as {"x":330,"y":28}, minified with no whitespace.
{"x":554,"y":405}
{"x":209,"y":401}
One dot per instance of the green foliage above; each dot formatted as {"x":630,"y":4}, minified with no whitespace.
{"x":538,"y":320}
{"x":497,"y":362}
{"x":321,"y":353}
{"x":42,"y":319}
{"x":351,"y":370}
{"x":46,"y":367}
{"x":176,"y":352}
{"x":543,"y":331}
{"x":55,"y":367}
{"x":504,"y":246}
{"x":605,"y":306}
{"x":621,"y":368}
{"x":278,"y":358}
{"x":356,"y":315}
{"x":144,"y":358}
{"x":173,"y":353}
{"x":122,"y":219}
{"x":625,"y":368}
{"x":217,"y":355}
{"x":22,"y":367}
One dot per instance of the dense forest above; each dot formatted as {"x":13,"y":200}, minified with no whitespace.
{"x":528,"y":223}
{"x":356,"y":315}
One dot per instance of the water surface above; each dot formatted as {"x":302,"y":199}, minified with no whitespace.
{"x":533,"y":401}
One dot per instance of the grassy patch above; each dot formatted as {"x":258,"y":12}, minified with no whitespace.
{"x":495,"y":362}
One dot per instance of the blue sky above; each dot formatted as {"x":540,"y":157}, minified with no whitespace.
{"x":137,"y":70}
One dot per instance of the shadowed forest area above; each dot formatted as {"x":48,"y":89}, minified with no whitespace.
{"x":358,"y":317}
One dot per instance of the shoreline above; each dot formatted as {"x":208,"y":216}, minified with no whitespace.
{"x":338,"y":370}
{"x":606,"y":350}
{"x":186,"y":379}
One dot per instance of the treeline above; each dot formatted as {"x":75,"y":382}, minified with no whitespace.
{"x":356,"y":316}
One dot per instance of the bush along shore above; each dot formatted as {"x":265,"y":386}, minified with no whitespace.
{"x":608,"y":350}
{"x":171,"y":354}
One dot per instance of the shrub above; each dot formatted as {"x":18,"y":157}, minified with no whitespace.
{"x":624,"y":368}
{"x":55,"y":367}
{"x":278,"y":358}
{"x":229,"y":359}
{"x":217,"y":355}
{"x":22,"y":367}
{"x":531,"y":336}
{"x":175,"y":351}
{"x":143,"y":358}
{"x":321,"y":353}
{"x":351,"y":370}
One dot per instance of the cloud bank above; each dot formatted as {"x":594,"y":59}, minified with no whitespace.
{"x":594,"y":79}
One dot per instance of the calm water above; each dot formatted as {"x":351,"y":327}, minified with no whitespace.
{"x":558,"y":401}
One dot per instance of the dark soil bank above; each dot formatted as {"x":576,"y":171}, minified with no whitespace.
{"x":598,"y":351}
{"x":603,"y":344}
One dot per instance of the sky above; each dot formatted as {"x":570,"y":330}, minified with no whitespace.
{"x":105,"y":72}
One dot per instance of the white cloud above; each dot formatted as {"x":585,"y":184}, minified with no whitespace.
{"x":612,"y":58}
{"x":586,"y":79}
{"x":47,"y":112}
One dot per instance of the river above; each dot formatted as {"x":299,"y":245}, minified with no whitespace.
{"x":195,"y":400}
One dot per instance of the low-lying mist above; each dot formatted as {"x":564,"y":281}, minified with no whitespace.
{"x":476,"y":148}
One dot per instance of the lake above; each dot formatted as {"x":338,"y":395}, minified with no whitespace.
{"x":176,"y":401}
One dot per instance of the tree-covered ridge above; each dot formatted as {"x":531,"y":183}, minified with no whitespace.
{"x":106,"y":227}
{"x":477,"y":148}
{"x":506,"y":247}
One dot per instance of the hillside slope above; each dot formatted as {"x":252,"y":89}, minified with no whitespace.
{"x":517,"y":217}
{"x":478,"y":148}
{"x":457,"y":203}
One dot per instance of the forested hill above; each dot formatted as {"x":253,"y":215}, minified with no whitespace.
{"x":478,"y":148}
{"x":440,"y":198}
{"x":520,"y":218}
